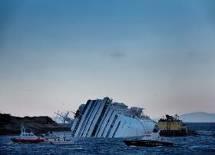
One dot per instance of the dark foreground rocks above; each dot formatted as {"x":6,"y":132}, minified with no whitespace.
{"x":10,"y":125}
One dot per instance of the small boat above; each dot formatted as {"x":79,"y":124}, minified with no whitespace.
{"x":60,"y":141}
{"x":57,"y":140}
{"x":149,"y":140}
{"x":27,"y":137}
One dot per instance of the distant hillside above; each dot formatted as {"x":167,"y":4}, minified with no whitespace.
{"x":198,"y":117}
{"x":42,"y":124}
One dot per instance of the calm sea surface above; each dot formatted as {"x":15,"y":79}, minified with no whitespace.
{"x":204,"y":143}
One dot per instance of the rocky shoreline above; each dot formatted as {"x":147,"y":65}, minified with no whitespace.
{"x":10,"y":125}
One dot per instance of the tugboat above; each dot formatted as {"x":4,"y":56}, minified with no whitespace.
{"x":27,"y":137}
{"x":172,"y":126}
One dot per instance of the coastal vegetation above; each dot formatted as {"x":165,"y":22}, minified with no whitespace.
{"x":10,"y":125}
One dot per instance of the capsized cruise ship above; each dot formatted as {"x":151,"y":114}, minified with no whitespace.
{"x":105,"y":118}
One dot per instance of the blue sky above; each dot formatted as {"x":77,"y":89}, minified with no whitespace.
{"x":54,"y":55}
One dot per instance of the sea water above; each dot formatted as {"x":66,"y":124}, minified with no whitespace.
{"x":203,"y":143}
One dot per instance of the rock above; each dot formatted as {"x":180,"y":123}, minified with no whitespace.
{"x":42,"y":124}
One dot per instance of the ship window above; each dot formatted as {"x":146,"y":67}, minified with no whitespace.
{"x":93,"y":119}
{"x":112,"y":124}
{"x":81,"y":126}
{"x":116,"y":128}
{"x":99,"y":120}
{"x":107,"y":122}
{"x":90,"y":111}
{"x":103,"y":119}
{"x":80,"y":116}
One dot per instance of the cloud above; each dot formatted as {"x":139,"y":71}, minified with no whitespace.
{"x":117,"y":55}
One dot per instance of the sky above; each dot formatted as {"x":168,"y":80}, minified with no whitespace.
{"x":55,"y":55}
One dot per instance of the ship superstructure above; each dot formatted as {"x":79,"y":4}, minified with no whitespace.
{"x":104,"y":118}
{"x":172,"y":126}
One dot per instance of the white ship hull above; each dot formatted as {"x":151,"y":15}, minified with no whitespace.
{"x":102,"y":118}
